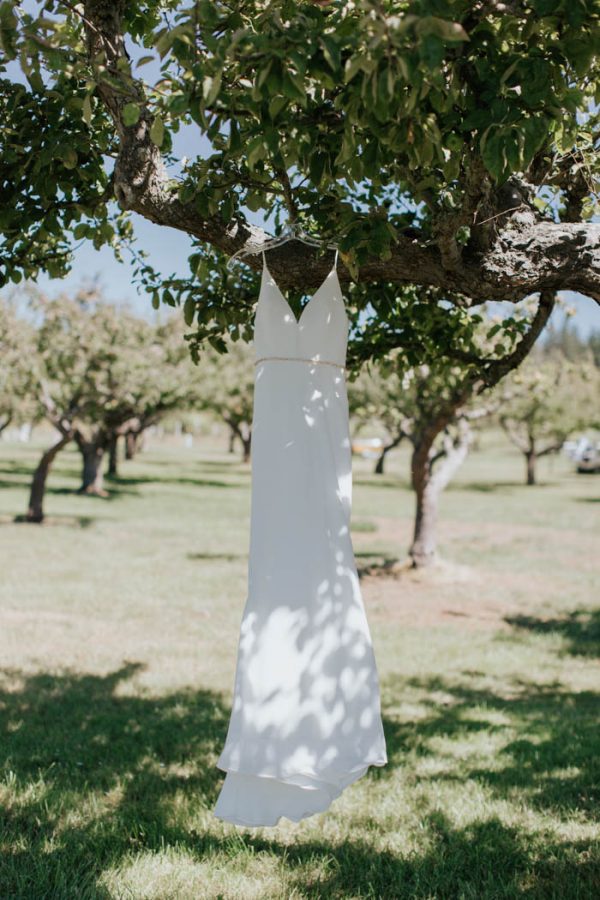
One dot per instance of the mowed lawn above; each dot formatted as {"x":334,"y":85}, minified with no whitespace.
{"x":119,"y":624}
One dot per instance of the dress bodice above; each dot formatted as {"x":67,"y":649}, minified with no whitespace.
{"x":320,"y":333}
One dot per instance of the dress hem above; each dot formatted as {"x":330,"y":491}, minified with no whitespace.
{"x":360,"y":770}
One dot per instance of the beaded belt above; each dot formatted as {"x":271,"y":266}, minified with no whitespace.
{"x":324,"y":362}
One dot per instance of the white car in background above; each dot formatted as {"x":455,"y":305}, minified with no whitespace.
{"x":585,"y":453}
{"x":589,"y":461}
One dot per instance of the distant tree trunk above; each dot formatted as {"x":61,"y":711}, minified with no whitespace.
{"x":113,"y":456}
{"x":530,"y":460}
{"x":247,"y":447}
{"x":93,"y":457}
{"x":242,"y":430}
{"x":5,"y":423}
{"x":35,"y":512}
{"x":132,"y":444}
{"x":231,"y":441}
{"x":378,"y":470}
{"x":431,"y":472}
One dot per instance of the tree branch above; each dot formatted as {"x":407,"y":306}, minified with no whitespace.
{"x":523,"y":256}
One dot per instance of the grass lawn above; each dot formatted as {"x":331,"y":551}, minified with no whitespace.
{"x":119,"y":624}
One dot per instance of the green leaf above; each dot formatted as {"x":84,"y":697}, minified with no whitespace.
{"x":447,"y":31}
{"x":276,"y":104}
{"x":130,"y":113}
{"x":256,"y":150}
{"x":352,"y":67}
{"x":189,"y":308}
{"x":69,"y":158}
{"x":211,"y":85}
{"x":87,"y":109}
{"x":157,"y":131}
{"x":331,"y":51}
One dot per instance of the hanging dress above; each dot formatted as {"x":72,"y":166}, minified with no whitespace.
{"x":306,"y":717}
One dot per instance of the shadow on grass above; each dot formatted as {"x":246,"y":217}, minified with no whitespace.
{"x":486,"y":487}
{"x":195,"y":557}
{"x":94,"y":777}
{"x":160,"y":479}
{"x":51,"y":520}
{"x":580,"y":629}
{"x":553,"y":763}
{"x":380,"y":481}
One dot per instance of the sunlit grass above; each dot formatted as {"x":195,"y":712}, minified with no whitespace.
{"x":118,"y":632}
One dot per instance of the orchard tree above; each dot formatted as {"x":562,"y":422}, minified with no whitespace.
{"x":431,"y":405}
{"x":546,"y":401}
{"x":444,"y":143}
{"x":225,"y":387}
{"x":16,"y":347}
{"x":98,"y":372}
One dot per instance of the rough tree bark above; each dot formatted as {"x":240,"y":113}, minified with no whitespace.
{"x":431,"y":472}
{"x":522,"y":253}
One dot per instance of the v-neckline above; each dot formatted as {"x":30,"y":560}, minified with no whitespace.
{"x":298,"y":322}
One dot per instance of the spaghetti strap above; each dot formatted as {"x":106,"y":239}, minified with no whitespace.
{"x":336,"y":258}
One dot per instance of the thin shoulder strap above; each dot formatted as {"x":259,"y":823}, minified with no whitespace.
{"x":336,"y":258}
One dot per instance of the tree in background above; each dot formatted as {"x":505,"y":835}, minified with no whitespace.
{"x":547,"y":400}
{"x":99,"y":371}
{"x":451,"y":146}
{"x":567,"y":340}
{"x":226,"y":389}
{"x":430,"y":405}
{"x":16,"y":347}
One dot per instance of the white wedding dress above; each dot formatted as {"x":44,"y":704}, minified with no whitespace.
{"x":306,"y":718}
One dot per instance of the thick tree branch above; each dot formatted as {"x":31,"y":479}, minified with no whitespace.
{"x":524,"y":257}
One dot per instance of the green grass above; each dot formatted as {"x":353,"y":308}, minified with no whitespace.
{"x":118,"y":632}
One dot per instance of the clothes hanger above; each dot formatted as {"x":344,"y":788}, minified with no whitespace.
{"x":292,"y":232}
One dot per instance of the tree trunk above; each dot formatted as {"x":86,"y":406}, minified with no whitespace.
{"x":428,"y":484}
{"x":243,"y":430}
{"x":423,"y":548}
{"x":231,"y":441}
{"x":92,"y":477}
{"x":131,"y":444}
{"x":530,"y":461}
{"x":35,"y":512}
{"x":113,"y":456}
{"x":247,"y":445}
{"x":378,"y":470}
{"x":4,"y":424}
